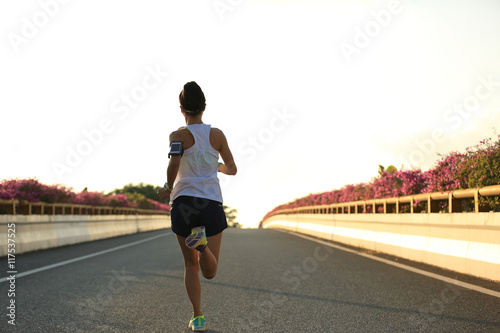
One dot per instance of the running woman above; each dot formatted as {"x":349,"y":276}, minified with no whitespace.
{"x":196,"y":214}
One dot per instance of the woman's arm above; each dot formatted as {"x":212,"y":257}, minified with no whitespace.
{"x":229,"y":166}
{"x":172,"y":169}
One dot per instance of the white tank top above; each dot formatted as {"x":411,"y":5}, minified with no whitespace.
{"x":197,"y":176}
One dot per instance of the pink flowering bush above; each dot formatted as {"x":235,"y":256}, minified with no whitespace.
{"x":484,"y":164}
{"x":389,"y":183}
{"x":59,"y":193}
{"x":484,"y":169}
{"x":158,"y":205}
{"x":33,"y":191}
{"x":92,"y":199}
{"x":398,"y":183}
{"x":5,"y":195}
{"x":479,"y":166}
{"x":120,"y":200}
{"x":450,"y":173}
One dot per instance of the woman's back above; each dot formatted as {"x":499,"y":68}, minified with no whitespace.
{"x":197,"y":174}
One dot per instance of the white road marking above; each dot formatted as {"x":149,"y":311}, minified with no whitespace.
{"x":70,"y":261}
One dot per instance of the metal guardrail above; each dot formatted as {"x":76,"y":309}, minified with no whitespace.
{"x":21,"y":207}
{"x":394,"y":204}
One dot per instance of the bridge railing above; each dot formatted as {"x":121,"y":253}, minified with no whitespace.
{"x":431,"y":203}
{"x":21,"y":207}
{"x":466,"y":241}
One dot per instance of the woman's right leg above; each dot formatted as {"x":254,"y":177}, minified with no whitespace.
{"x":209,"y":257}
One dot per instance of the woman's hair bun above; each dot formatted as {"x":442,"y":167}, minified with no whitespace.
{"x":192,"y":98}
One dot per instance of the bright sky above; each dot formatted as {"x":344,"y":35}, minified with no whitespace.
{"x":312,"y":95}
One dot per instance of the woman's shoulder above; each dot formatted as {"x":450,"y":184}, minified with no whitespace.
{"x":216,"y":131}
{"x":179,"y":134}
{"x":217,"y":134}
{"x":217,"y":138}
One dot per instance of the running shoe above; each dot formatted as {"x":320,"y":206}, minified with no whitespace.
{"x":197,"y":240}
{"x":197,"y":324}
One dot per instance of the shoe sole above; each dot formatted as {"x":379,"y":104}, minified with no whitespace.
{"x":193,"y":240}
{"x":192,"y":243}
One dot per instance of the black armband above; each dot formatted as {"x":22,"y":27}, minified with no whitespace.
{"x":176,"y":149}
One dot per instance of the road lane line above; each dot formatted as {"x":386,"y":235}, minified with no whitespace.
{"x":405,"y":267}
{"x":70,"y":261}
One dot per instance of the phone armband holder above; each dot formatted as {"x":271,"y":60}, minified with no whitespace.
{"x":176,"y":149}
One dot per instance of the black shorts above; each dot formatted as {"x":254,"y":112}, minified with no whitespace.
{"x":187,"y":213}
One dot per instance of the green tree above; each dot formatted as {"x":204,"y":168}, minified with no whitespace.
{"x":231,"y":217}
{"x":147,"y":190}
{"x":390,"y":169}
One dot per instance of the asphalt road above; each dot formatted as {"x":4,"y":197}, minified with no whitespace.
{"x":268,"y":281}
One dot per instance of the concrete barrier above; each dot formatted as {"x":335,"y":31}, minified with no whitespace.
{"x":467,"y":243}
{"x":37,"y":232}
